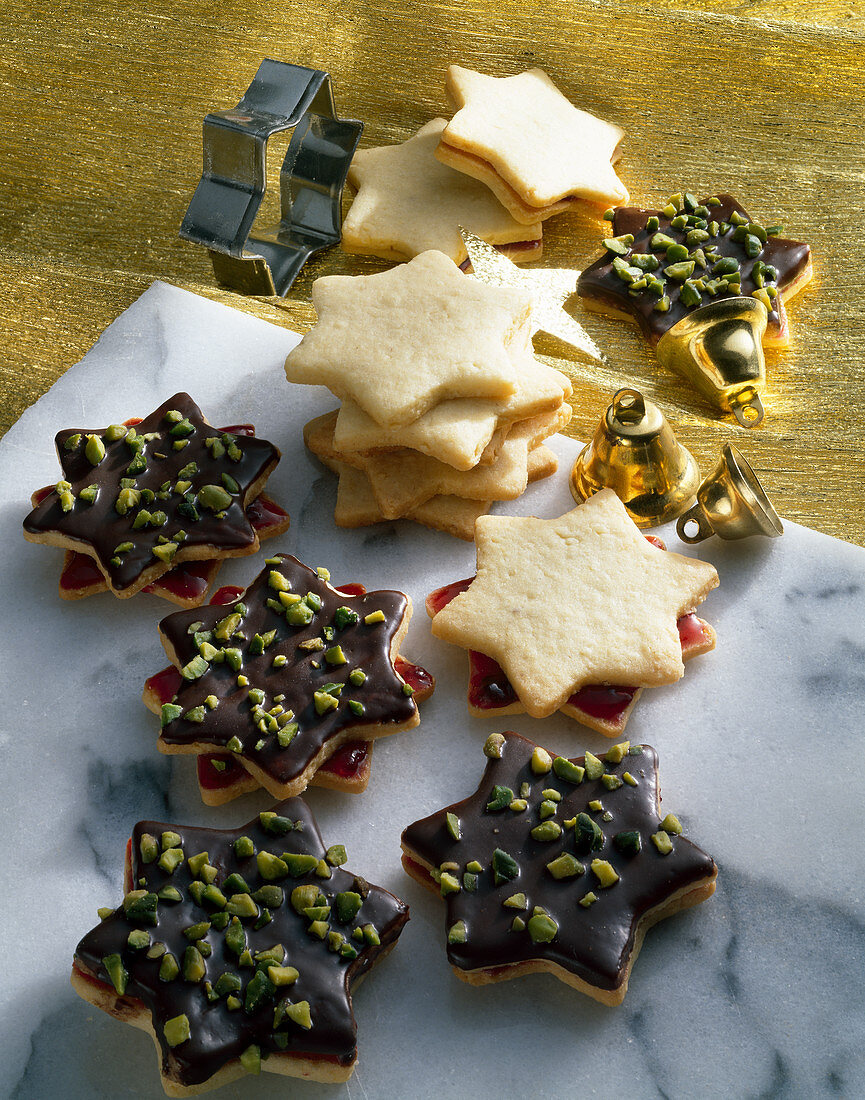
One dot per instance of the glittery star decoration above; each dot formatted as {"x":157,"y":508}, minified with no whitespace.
{"x":661,"y":265}
{"x":550,"y":289}
{"x":557,"y":865}
{"x":239,"y":948}
{"x":287,"y":674}
{"x":580,"y":599}
{"x":140,"y":500}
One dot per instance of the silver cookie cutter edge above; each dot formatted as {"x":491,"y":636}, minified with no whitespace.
{"x":223,"y":209}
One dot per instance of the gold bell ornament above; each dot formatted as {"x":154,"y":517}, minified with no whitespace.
{"x":635,"y":453}
{"x":719,"y":347}
{"x":731,"y":503}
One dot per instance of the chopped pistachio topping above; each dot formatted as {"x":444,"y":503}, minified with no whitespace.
{"x":516,"y":901}
{"x":494,"y":746}
{"x":457,"y":933}
{"x":547,"y":831}
{"x":565,"y":866}
{"x":588,"y":899}
{"x":547,"y":809}
{"x":611,"y":782}
{"x":542,"y":928}
{"x":671,"y":825}
{"x":628,"y":842}
{"x":589,"y":836}
{"x":176,"y":1030}
{"x":116,"y":971}
{"x":594,"y":767}
{"x":570,"y":772}
{"x":604,"y":872}
{"x":374,"y":617}
{"x":541,"y":761}
{"x":94,"y":450}
{"x":662,"y":842}
{"x":453,"y":825}
{"x":505,"y":867}
{"x":617,"y":753}
{"x":518,"y":805}
{"x":500,"y":798}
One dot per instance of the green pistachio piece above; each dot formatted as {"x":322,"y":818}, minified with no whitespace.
{"x":141,"y":906}
{"x":547,"y":831}
{"x":516,"y":901}
{"x":323,"y":702}
{"x":244,"y":847}
{"x":335,"y":656}
{"x":611,"y":782}
{"x":629,"y":779}
{"x":234,"y":744}
{"x":299,"y":863}
{"x":475,"y":867}
{"x":565,"y":866}
{"x":449,"y":884}
{"x":241,"y":905}
{"x":148,"y":846}
{"x":617,"y":753}
{"x":518,"y":806}
{"x":541,"y":761}
{"x":662,"y":842}
{"x":505,"y":867}
{"x":628,"y":842}
{"x":546,"y":809}
{"x":604,"y":872}
{"x":271,"y":867}
{"x":196,"y":863}
{"x":194,"y":967}
{"x":542,"y":928}
{"x":169,"y":968}
{"x":689,"y":295}
{"x":260,"y":990}
{"x":94,"y":450}
{"x":283,"y":975}
{"x":457,"y":933}
{"x":671,"y":825}
{"x":156,"y":951}
{"x":588,"y":899}
{"x":589,"y":836}
{"x":494,"y":746}
{"x":116,"y":971}
{"x":176,"y":1030}
{"x":677,"y":252}
{"x":680,"y":271}
{"x":299,"y":1014}
{"x":500,"y":798}
{"x":347,"y":904}
{"x":470,"y":881}
{"x":371,"y":936}
{"x":235,"y":936}
{"x":318,"y":928}
{"x":619,"y":245}
{"x":303,"y":897}
{"x":594,"y":767}
{"x":567,"y":770}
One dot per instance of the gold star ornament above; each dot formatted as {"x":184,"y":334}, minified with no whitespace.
{"x":581,"y":599}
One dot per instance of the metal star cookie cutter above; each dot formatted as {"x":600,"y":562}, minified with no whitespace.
{"x":234,"y":179}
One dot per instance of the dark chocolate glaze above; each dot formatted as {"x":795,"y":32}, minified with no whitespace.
{"x":594,"y":943}
{"x":325,"y":981}
{"x":601,"y":283}
{"x":99,"y":525}
{"x":366,"y":647}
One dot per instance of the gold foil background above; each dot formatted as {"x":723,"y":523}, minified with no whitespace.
{"x":100,"y":151}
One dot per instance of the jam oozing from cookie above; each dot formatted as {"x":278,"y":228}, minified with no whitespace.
{"x":555,"y":859}
{"x":662,"y":264}
{"x":242,"y":943}
{"x":490,"y":688}
{"x":142,"y":495}
{"x":285,"y":672}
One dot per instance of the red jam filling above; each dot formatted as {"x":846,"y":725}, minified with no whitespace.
{"x":490,"y":689}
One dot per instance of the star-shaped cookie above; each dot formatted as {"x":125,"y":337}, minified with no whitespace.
{"x":520,"y":136}
{"x":557,"y":865}
{"x":581,"y":599}
{"x":400,"y":341}
{"x":661,"y":265}
{"x":222,"y":777}
{"x":140,"y":500}
{"x":287,"y":674}
{"x":407,"y":202}
{"x":238,"y":949}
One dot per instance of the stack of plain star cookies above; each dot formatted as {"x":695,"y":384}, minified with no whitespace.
{"x":444,"y":408}
{"x":515,"y":153}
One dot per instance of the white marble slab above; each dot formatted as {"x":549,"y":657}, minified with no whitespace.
{"x":759,"y":992}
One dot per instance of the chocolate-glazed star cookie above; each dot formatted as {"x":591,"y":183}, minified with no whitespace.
{"x":662,"y":264}
{"x":287,"y":674}
{"x":557,"y":865}
{"x":238,"y":949}
{"x":139,"y":500}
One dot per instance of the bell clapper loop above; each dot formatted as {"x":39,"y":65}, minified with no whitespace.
{"x":747,"y":408}
{"x":629,"y":406}
{"x":692,"y":516}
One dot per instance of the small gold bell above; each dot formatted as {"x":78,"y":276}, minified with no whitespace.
{"x":719,"y":347}
{"x":635,"y":453}
{"x":731,"y":503}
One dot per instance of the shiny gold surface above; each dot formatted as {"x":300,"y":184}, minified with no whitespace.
{"x":731,"y":503}
{"x":635,"y":453}
{"x":101,"y":145}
